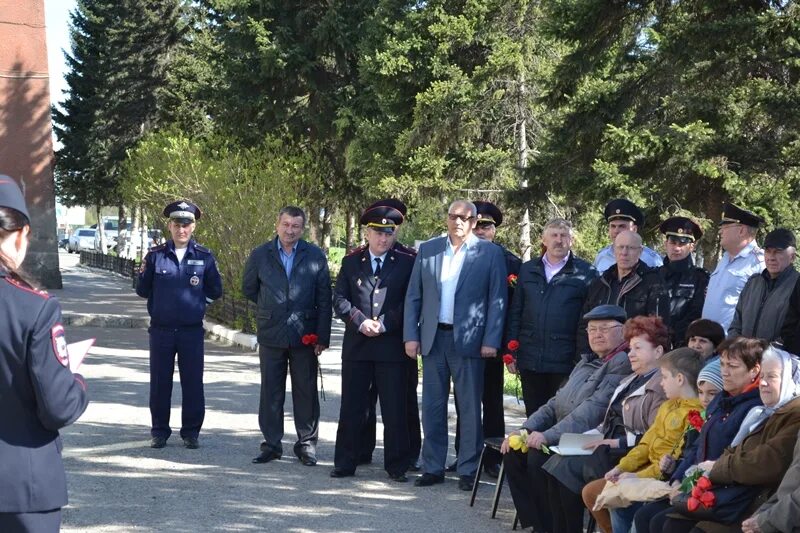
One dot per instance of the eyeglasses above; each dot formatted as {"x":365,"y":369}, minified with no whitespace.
{"x":463,"y":218}
{"x":626,"y":248}
{"x":603,"y":330}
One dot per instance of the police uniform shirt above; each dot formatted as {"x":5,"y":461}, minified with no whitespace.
{"x":728,"y":280}
{"x":374,"y":264}
{"x":605,"y":258}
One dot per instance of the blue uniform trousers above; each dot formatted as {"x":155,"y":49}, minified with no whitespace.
{"x":437,"y":367}
{"x":187,"y":343}
{"x":44,"y":522}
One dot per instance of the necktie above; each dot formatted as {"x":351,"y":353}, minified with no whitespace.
{"x":377,"y":266}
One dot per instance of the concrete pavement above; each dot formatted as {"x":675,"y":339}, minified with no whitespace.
{"x":117,"y":483}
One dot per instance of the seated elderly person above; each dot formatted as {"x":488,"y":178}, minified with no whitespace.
{"x":762,"y":448}
{"x":577,"y":406}
{"x":628,"y":415}
{"x":781,"y":511}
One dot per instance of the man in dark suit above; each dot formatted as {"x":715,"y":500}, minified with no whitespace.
{"x":489,"y":218}
{"x":289,"y":280}
{"x":369,"y":296}
{"x":454,"y":312}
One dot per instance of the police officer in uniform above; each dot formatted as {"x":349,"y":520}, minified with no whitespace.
{"x":489,"y":218}
{"x":178,"y":278}
{"x":412,"y":410}
{"x":369,"y":297}
{"x":39,"y":393}
{"x":621,"y":215}
{"x":685,"y":283}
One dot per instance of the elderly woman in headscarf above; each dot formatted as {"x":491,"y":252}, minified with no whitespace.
{"x":761,"y":451}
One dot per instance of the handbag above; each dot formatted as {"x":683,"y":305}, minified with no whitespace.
{"x":731,"y":503}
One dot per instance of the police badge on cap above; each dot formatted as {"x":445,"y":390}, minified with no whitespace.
{"x":381,"y":218}
{"x":733,"y":214}
{"x":488,"y":213}
{"x":681,"y":229}
{"x":182,"y":211}
{"x":623,"y":209}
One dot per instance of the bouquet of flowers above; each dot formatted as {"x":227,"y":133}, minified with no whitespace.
{"x":310,"y":339}
{"x":698,"y":486}
{"x":512,"y":280}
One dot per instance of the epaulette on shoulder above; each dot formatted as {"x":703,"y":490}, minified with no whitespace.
{"x":404,"y":253}
{"x":19,"y":284}
{"x":357,"y":250}
{"x":201,"y":248}
{"x":158,"y":247}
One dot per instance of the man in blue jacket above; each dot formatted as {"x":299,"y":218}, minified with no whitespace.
{"x":545,"y":312}
{"x":288,"y":279}
{"x":178,"y":278}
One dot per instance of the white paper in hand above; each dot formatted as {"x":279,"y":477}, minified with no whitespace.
{"x":573,"y":443}
{"x":77,"y":352}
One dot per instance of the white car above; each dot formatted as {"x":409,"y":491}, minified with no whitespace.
{"x":82,"y":239}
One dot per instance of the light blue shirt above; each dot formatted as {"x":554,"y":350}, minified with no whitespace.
{"x":728,"y":280}
{"x":287,"y":259}
{"x":375,"y":263}
{"x":605,"y":258}
{"x":451,"y":270}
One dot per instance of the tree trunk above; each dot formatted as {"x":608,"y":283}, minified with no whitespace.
{"x":710,"y":248}
{"x":326,"y":229}
{"x":350,"y":237}
{"x":522,"y":162}
{"x":101,"y":231}
{"x":313,"y":225}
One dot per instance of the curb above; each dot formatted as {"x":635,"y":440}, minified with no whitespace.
{"x":104,"y":321}
{"x":230,"y":336}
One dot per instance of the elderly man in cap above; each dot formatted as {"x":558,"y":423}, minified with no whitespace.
{"x":369,"y":298}
{"x":685,"y":283}
{"x":577,"y":406}
{"x":629,"y":283}
{"x":741,"y":259}
{"x":488,"y":219}
{"x":289,"y":281}
{"x":454,"y":313}
{"x":762,"y":306}
{"x":178,"y":278}
{"x":623,"y":215}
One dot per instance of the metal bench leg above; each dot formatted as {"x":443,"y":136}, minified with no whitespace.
{"x":477,"y":478}
{"x":501,"y":476}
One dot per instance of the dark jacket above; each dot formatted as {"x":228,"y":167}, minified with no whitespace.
{"x":725,"y":414}
{"x":686,"y":289}
{"x":641,"y":293}
{"x":178,"y":293}
{"x":288,"y":309}
{"x":359,"y":296}
{"x":790,"y":332}
{"x":544,"y":316}
{"x":761,"y":309}
{"x":39,"y":397}
{"x":513,"y":264}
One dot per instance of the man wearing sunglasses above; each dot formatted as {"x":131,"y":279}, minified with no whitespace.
{"x":454,"y":312}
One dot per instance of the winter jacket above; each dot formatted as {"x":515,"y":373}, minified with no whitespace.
{"x":762,"y":306}
{"x":639,"y":408}
{"x":780,"y":512}
{"x":724,"y":416}
{"x":544,"y":316}
{"x":664,"y":437}
{"x":686,"y":289}
{"x":642,"y":293}
{"x":580,"y":404}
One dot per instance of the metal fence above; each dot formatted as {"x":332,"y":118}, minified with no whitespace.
{"x":126,"y":267}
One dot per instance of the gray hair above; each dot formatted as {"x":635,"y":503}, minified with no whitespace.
{"x":559,"y":223}
{"x":466,"y":203}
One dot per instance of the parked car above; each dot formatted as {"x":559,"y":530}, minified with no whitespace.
{"x":111,"y":230}
{"x":82,"y":239}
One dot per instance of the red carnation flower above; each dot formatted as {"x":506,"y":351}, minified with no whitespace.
{"x":703,"y":483}
{"x":310,"y":339}
{"x":512,"y":280}
{"x":508,"y":359}
{"x":697,"y":492}
{"x":692,"y":504}
{"x":695,"y":419}
{"x":513,"y":345}
{"x":708,"y":499}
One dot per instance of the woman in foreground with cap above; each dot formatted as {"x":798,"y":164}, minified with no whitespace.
{"x":40,"y":394}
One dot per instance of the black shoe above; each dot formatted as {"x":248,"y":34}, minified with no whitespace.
{"x":158,"y":442}
{"x":400,"y":478}
{"x":191,"y":443}
{"x":466,"y":482}
{"x":266,"y":456}
{"x":452,"y":467}
{"x":426,"y":480}
{"x":338,"y":472}
{"x":307,"y":459}
{"x":416,"y":466}
{"x":365,"y":460}
{"x":492,"y":471}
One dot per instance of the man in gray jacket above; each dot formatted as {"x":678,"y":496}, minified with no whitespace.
{"x":289,"y":280}
{"x":580,"y":403}
{"x":762,"y":306}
